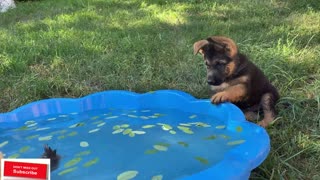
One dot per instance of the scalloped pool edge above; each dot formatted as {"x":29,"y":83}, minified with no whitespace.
{"x":238,"y":162}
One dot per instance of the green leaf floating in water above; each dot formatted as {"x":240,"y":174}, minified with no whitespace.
{"x":76,"y":125}
{"x":83,"y":153}
{"x":61,"y":137}
{"x":172,"y":132}
{"x":212,"y":137}
{"x":63,"y":131}
{"x":225,"y":136}
{"x":4,"y":143}
{"x":127,"y":131}
{"x":80,"y":124}
{"x":158,"y":114}
{"x":186,"y":130}
{"x":24,"y":149}
{"x":192,"y":116}
{"x":73,"y":133}
{"x":166,"y":127}
{"x":184,"y":144}
{"x":138,"y":132}
{"x":32,"y":137}
{"x":148,"y":126}
{"x":163,"y":144}
{"x":236,"y":142}
{"x":45,"y":138}
{"x":151,"y":151}
{"x":116,"y":127}
{"x":42,"y":129}
{"x":146,"y":110}
{"x":72,"y":162}
{"x":239,"y":129}
{"x":144,"y":117}
{"x":58,"y":132}
{"x":14,"y":156}
{"x":90,"y":163}
{"x":220,"y":127}
{"x":98,"y":122}
{"x":51,"y":119}
{"x":201,"y":124}
{"x":94,"y":117}
{"x":32,"y":126}
{"x":160,"y":148}
{"x":182,"y":128}
{"x":131,"y":134}
{"x":184,"y":124}
{"x":84,"y":144}
{"x":127,"y":175}
{"x":124,"y":125}
{"x":67,"y":171}
{"x":101,"y":124}
{"x":157,"y":177}
{"x":94,"y":130}
{"x":117,"y":131}
{"x":30,"y":122}
{"x":108,"y":114}
{"x":111,"y":117}
{"x":202,"y":160}
{"x":22,"y":128}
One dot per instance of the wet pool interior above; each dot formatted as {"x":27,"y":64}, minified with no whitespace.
{"x":123,"y":143}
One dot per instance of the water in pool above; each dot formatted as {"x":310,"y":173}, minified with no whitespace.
{"x":123,"y":144}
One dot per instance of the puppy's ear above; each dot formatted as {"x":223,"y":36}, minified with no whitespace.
{"x":197,"y":46}
{"x":227,"y":45}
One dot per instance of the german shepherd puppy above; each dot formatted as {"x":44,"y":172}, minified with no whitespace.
{"x":233,"y":78}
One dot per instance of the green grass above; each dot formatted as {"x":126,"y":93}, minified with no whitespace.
{"x":67,"y":48}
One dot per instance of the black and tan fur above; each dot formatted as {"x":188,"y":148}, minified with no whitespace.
{"x":232,"y":77}
{"x":53,"y":156}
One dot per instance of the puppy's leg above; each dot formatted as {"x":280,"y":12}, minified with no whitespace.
{"x":233,"y":94}
{"x":252,"y":113}
{"x":268,"y":107}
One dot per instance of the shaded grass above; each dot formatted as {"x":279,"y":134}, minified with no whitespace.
{"x":73,"y":48}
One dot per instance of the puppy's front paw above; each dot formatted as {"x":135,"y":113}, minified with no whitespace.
{"x":219,"y":98}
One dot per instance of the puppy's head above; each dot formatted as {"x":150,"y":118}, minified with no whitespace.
{"x":220,"y":55}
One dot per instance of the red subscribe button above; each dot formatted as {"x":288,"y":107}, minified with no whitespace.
{"x":26,"y":170}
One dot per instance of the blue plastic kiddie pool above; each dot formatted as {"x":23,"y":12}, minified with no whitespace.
{"x":165,"y":134}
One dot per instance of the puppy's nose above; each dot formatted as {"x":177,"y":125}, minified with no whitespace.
{"x":213,"y":83}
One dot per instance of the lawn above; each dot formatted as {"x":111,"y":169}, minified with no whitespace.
{"x":66,"y":48}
